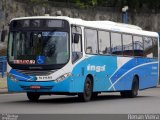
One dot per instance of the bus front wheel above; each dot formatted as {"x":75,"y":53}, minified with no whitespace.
{"x":87,"y":93}
{"x":94,"y":95}
{"x":32,"y":96}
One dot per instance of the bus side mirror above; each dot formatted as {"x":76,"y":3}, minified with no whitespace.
{"x":3,"y":35}
{"x":76,"y":38}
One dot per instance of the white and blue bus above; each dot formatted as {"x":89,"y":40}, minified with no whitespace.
{"x":68,"y":56}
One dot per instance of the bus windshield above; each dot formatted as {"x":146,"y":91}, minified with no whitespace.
{"x":38,"y":47}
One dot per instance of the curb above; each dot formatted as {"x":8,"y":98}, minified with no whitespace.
{"x":4,"y":91}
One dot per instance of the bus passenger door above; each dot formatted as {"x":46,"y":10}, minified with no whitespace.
{"x":77,"y":54}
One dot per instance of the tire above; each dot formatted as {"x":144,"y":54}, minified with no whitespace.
{"x":94,"y":95}
{"x":124,"y":94}
{"x":133,"y":92}
{"x":87,"y":93}
{"x":32,"y":96}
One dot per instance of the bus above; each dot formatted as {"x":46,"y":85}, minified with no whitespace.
{"x":60,"y":55}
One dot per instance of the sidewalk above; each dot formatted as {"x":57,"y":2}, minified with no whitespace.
{"x":3,"y":91}
{"x":158,"y":86}
{"x":3,"y":85}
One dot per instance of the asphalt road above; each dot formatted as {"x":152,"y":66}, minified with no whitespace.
{"x":148,"y":101}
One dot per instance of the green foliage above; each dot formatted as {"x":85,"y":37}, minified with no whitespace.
{"x":34,"y":1}
{"x":133,"y":4}
{"x":85,"y":4}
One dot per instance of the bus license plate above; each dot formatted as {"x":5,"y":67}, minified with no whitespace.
{"x":35,"y":87}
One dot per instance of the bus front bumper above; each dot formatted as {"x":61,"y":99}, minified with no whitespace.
{"x":39,"y":86}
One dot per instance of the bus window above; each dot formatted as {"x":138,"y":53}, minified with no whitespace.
{"x":138,"y":45}
{"x":116,"y":44}
{"x":91,"y":41}
{"x":155,"y":47}
{"x":127,"y":45}
{"x":104,"y":42}
{"x":148,"y":47}
{"x":76,"y":44}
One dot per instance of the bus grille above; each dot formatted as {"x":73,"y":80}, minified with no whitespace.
{"x":36,"y":73}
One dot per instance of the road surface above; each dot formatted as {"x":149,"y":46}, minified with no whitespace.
{"x":148,"y":101}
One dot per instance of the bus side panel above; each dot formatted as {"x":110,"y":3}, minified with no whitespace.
{"x":105,"y":66}
{"x":147,"y":71}
{"x":100,"y":67}
{"x":122,"y":78}
{"x":78,"y":77}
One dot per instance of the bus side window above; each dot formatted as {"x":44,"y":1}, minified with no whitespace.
{"x":155,"y":47}
{"x":91,"y":41}
{"x":116,"y":44}
{"x":150,"y":47}
{"x":104,"y":42}
{"x":127,"y":45}
{"x":76,"y":43}
{"x":138,"y":46}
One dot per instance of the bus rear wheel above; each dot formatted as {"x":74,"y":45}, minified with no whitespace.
{"x":87,"y":93}
{"x":134,"y":91}
{"x":32,"y":96}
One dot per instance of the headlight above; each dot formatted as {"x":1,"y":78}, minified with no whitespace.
{"x":63,"y":77}
{"x":12,"y":77}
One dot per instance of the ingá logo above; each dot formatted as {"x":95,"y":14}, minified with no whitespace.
{"x":96,"y":68}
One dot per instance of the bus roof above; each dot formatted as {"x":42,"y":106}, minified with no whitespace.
{"x":105,"y":25}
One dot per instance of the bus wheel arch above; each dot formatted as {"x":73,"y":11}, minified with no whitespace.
{"x":136,"y":79}
{"x":91,"y":77}
{"x":134,"y":88}
{"x":86,"y":95}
